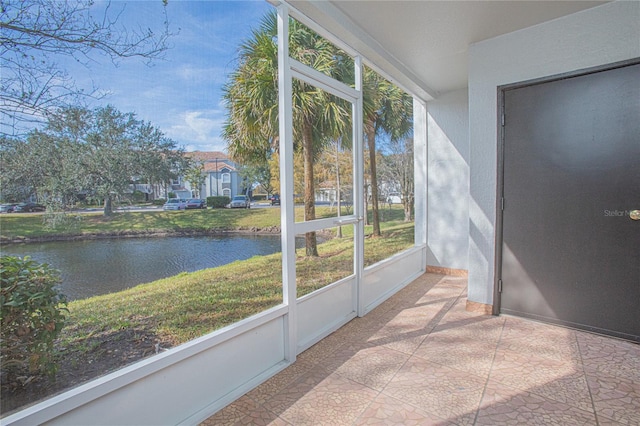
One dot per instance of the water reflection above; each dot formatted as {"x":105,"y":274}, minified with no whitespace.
{"x":95,"y":267}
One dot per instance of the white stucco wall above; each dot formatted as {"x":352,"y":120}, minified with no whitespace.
{"x":448,"y":177}
{"x":598,"y":36}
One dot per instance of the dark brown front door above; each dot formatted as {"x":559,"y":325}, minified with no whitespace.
{"x":571,"y":182}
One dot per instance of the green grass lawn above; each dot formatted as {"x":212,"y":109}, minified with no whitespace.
{"x":29,"y":225}
{"x":32,"y":225}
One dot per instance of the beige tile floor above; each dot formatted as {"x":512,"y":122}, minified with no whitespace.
{"x":421,"y":359}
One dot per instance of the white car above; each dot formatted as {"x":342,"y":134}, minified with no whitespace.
{"x":240,"y":201}
{"x":175,"y":204}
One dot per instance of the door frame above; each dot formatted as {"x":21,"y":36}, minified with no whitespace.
{"x":500,"y":122}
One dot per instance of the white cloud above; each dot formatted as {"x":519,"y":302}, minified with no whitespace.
{"x":198,"y":130}
{"x":201,"y":124}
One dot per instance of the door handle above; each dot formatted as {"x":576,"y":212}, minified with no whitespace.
{"x":634,"y":214}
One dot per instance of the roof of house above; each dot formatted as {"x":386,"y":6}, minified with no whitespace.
{"x":205,"y":156}
{"x":327,"y":184}
{"x":220,"y":165}
{"x":212,"y":161}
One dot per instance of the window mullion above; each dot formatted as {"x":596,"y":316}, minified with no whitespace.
{"x":322,"y":81}
{"x":287,"y":213}
{"x":358,"y":184}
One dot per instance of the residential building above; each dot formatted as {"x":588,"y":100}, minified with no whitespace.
{"x":222,"y":177}
{"x":327,"y":192}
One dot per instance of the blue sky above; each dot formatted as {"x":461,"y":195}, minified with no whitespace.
{"x":180,"y":94}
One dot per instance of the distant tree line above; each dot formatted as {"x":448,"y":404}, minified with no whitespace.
{"x":95,"y":153}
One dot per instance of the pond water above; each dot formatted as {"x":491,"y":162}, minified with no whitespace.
{"x":93,"y":267}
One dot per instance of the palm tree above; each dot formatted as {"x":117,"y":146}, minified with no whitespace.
{"x":251,"y":97}
{"x":387,"y":109}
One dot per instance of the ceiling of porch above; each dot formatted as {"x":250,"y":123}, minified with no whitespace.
{"x":428,"y":41}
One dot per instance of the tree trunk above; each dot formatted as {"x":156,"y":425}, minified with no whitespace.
{"x":408,"y":203}
{"x":108,"y":206}
{"x":311,"y":242}
{"x":371,"y":140}
{"x":366,"y":203}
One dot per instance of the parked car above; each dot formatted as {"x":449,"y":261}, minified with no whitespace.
{"x":28,"y":207}
{"x":7,"y":208}
{"x":175,"y":204}
{"x":240,"y":201}
{"x":196,"y":203}
{"x":275,"y":199}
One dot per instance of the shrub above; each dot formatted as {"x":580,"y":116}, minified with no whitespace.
{"x":159,"y":201}
{"x":218,"y":202}
{"x":138,"y":197}
{"x":31,"y":316}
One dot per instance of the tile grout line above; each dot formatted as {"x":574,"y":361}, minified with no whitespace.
{"x":486,"y":384}
{"x":355,"y":421}
{"x":593,"y":404}
{"x":440,"y":316}
{"x":396,"y":373}
{"x":381,"y":391}
{"x":461,"y":295}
